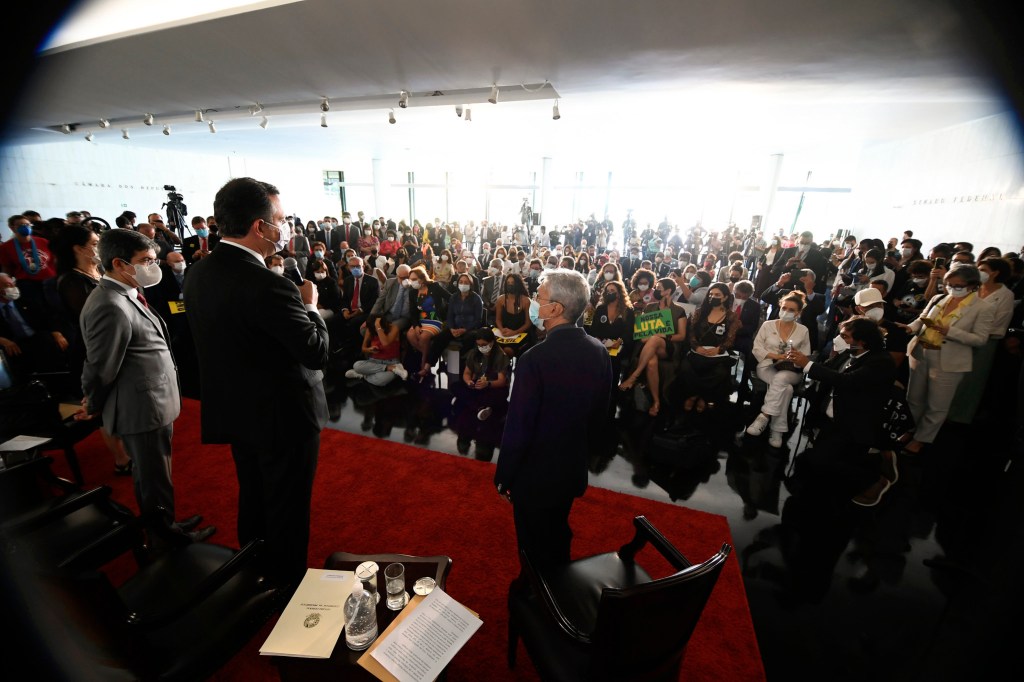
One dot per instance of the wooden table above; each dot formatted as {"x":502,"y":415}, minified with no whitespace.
{"x":342,"y":663}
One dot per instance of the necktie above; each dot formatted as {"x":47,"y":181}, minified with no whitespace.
{"x":355,"y":294}
{"x":202,"y":243}
{"x":142,"y":300}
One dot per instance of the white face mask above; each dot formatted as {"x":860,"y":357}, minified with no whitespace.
{"x":277,"y":269}
{"x":178,"y":268}
{"x":318,"y":275}
{"x":921,"y":281}
{"x":147,"y":275}
{"x":463,"y":288}
{"x":12,"y":293}
{"x":609,"y":276}
{"x":839,"y":344}
{"x":485,"y":349}
{"x":787,"y":316}
{"x":958,"y":292}
{"x":415,"y":284}
{"x":874,"y":314}
{"x":643,"y":287}
{"x":406,"y":283}
{"x":493,"y":271}
{"x":983,"y":275}
{"x":907,"y":253}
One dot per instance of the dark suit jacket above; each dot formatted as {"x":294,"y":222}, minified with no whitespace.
{"x":859,"y":393}
{"x":368,"y":292}
{"x":814,"y":260}
{"x":191,"y":245}
{"x":559,"y":402}
{"x":386,"y":300}
{"x":160,"y":297}
{"x":750,"y":319}
{"x":261,"y":354}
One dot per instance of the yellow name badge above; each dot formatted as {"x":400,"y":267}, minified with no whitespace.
{"x":508,"y":339}
{"x":176,"y":307}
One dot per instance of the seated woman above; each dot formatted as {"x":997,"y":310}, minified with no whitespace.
{"x":511,"y":316}
{"x":659,"y":346}
{"x":381,"y":347}
{"x":444,"y":268}
{"x":641,"y":288}
{"x":774,"y":340}
{"x":481,"y":398}
{"x":329,"y":301}
{"x":612,"y":324}
{"x":428,"y":302}
{"x":706,"y":371}
{"x":465,"y":315}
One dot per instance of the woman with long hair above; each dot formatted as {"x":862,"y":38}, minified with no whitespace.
{"x":660,"y":346}
{"x":428,"y":306}
{"x":612,"y":324}
{"x":512,"y":315}
{"x":706,"y":371}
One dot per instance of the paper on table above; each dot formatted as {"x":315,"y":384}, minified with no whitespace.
{"x":22,"y":443}
{"x":425,"y":642}
{"x":313,"y":620}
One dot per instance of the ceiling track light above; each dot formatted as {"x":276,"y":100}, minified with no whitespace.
{"x":255,"y":109}
{"x":88,"y":137}
{"x":199,"y":116}
{"x":104,"y":123}
{"x":458,"y":110}
{"x":124,"y":134}
{"x":213,"y":128}
{"x":493,"y":99}
{"x":65,"y":128}
{"x":555,"y":115}
{"x":323,"y":120}
{"x":468,"y":115}
{"x":325,"y":105}
{"x":264,"y":123}
{"x":391,"y":116}
{"x":403,"y":99}
{"x":167,"y":130}
{"x":148,"y":119}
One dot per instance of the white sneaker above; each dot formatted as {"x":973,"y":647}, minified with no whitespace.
{"x":401,"y":371}
{"x":352,"y":374}
{"x":758,"y":426}
{"x":775,"y":439}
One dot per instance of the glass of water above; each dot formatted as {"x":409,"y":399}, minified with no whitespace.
{"x":394,"y":580}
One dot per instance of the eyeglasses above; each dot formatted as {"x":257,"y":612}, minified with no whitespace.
{"x":267,"y":222}
{"x":146,"y":262}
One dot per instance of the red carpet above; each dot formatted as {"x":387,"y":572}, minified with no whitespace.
{"x":375,"y":496}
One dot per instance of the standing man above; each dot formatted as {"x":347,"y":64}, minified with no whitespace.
{"x":558,"y":405}
{"x":129,"y":375}
{"x":201,"y":243}
{"x":262,"y":346}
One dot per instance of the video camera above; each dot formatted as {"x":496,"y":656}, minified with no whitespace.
{"x":176,"y":210}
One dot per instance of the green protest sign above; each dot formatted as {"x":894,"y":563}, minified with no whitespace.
{"x":653,"y":323}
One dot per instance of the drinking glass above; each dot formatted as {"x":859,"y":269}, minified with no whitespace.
{"x":394,"y":581}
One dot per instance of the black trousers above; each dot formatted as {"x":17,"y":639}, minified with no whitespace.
{"x":542,"y":530}
{"x":275,"y":484}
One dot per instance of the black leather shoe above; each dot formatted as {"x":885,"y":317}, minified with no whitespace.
{"x":203,"y":534}
{"x":191,"y":523}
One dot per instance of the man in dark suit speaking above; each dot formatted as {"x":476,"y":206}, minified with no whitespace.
{"x":558,"y":405}
{"x":262,"y":346}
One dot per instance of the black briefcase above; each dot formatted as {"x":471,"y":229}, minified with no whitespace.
{"x":681,"y":446}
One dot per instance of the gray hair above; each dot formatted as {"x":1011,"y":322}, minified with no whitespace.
{"x":967,"y":272}
{"x":744,"y":286}
{"x":123,"y":245}
{"x":403,"y":269}
{"x":569,"y":288}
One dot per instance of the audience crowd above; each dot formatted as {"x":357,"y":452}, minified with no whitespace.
{"x":689,"y":318}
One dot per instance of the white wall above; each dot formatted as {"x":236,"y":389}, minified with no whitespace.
{"x":960,"y":183}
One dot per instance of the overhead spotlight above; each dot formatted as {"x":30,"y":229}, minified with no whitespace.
{"x":124,"y":134}
{"x":264,"y":123}
{"x":403,"y":99}
{"x":325,"y":106}
{"x":213,"y":128}
{"x":554,"y":112}
{"x":458,"y":110}
{"x":323,"y":120}
{"x":88,"y":137}
{"x":148,"y":119}
{"x":255,"y":109}
{"x":391,"y":116}
{"x":493,"y":99}
{"x":104,"y":123}
{"x":167,"y":130}
{"x":65,"y":128}
{"x":199,"y":116}
{"x":468,"y":115}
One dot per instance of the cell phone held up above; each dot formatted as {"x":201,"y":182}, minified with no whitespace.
{"x":940,"y":262}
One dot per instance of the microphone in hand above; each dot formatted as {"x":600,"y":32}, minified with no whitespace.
{"x":291,"y":271}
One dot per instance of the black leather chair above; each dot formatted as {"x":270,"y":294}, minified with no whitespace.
{"x":604,"y":618}
{"x":180,"y":617}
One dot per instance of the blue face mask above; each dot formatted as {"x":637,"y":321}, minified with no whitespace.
{"x":356,"y":272}
{"x":694,"y":283}
{"x":318,"y":254}
{"x":202,"y":233}
{"x":535,"y":314}
{"x":25,"y":230}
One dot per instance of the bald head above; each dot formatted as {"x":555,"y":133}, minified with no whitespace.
{"x":402,"y":271}
{"x":147,"y":230}
{"x":174,"y":257}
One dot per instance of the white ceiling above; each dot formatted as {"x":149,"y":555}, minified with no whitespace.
{"x":682,"y":78}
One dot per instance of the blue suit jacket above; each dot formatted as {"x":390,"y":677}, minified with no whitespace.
{"x":556,"y":414}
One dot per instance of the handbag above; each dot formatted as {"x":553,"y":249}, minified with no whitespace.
{"x":701,"y":363}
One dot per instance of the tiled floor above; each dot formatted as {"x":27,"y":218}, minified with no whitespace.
{"x":923,"y":586}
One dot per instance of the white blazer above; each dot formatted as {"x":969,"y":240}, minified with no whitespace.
{"x":1001,"y":301}
{"x":970,"y":330}
{"x":768,"y":340}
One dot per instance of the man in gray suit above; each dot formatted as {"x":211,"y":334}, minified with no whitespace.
{"x":394,"y":300}
{"x":129,"y":376}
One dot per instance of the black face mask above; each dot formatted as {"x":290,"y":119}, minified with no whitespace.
{"x":714,"y":301}
{"x":656,"y":294}
{"x":611,"y":296}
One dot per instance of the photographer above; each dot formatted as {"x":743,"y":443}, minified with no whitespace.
{"x":804,"y":281}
